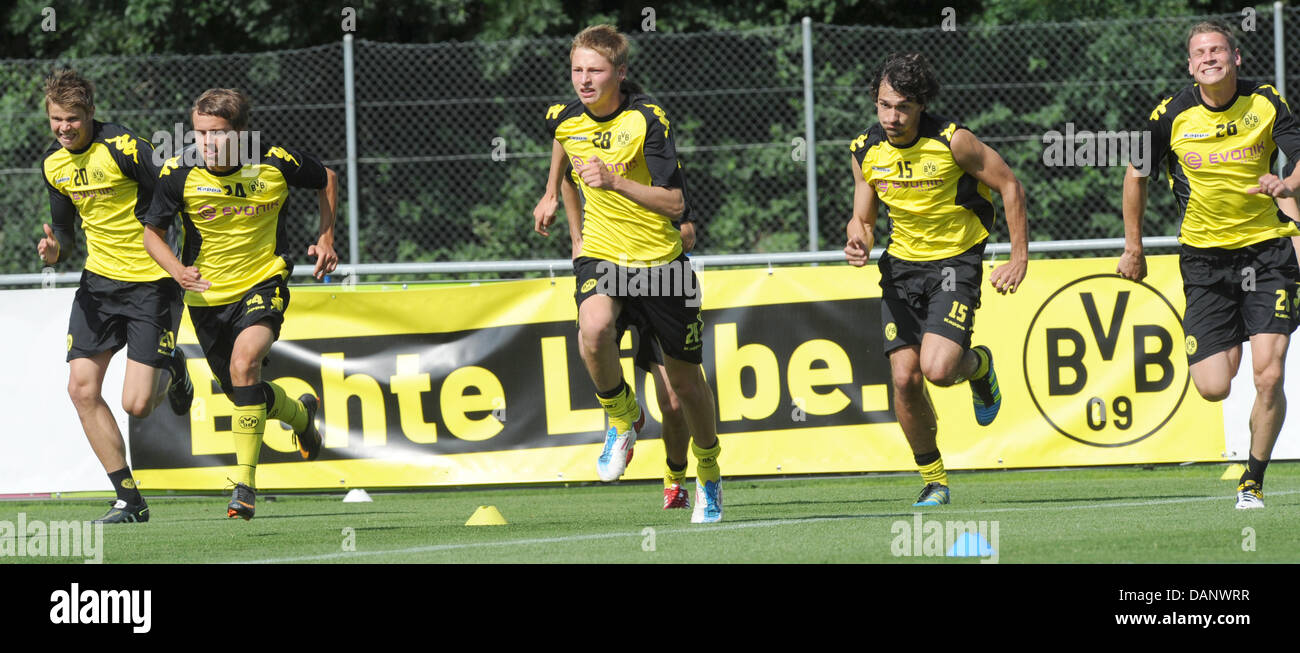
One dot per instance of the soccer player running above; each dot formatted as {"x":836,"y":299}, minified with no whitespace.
{"x":935,"y":176}
{"x":235,"y":267}
{"x":104,"y":174}
{"x":1218,"y":139}
{"x":620,"y":144}
{"x":676,"y":436}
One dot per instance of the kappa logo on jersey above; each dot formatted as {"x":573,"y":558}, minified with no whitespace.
{"x":859,"y":142}
{"x":1160,"y":109}
{"x":1103,"y":331}
{"x":255,"y":304}
{"x":277,"y":302}
{"x":69,"y":342}
{"x":126,"y":145}
{"x":554,"y":111}
{"x":949,"y":131}
{"x":171,"y":164}
{"x":281,"y":153}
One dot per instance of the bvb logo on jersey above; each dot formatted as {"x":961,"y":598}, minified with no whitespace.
{"x":930,"y":168}
{"x":248,"y":422}
{"x":69,"y":342}
{"x":1100,"y":362}
{"x":98,"y":174}
{"x":1191,"y":345}
{"x":1250,"y":120}
{"x":256,"y":185}
{"x":588,"y":285}
{"x":891,"y":331}
{"x":622,"y":138}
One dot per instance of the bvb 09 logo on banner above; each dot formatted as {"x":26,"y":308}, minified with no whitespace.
{"x":1103,"y":361}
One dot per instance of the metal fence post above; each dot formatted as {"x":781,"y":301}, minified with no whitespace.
{"x":809,"y":133}
{"x":350,"y":110}
{"x":1279,"y":69}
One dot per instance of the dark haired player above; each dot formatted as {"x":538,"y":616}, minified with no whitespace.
{"x":235,"y":268}
{"x":935,"y":176}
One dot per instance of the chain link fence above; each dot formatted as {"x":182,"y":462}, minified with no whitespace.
{"x":452,"y":149}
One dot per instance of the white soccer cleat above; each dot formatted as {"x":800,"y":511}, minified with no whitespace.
{"x":1249,"y":496}
{"x":618,"y":451}
{"x":708,"y":502}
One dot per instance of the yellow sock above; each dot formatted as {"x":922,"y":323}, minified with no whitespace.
{"x":706,"y":462}
{"x":247,"y":425}
{"x":622,"y":408}
{"x":934,"y":472}
{"x":289,"y":411}
{"x":673,"y":477}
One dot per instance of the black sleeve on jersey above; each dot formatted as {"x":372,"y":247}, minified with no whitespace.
{"x":1286,"y":129}
{"x":167,"y":198}
{"x":63,"y":215}
{"x":1161,"y":129}
{"x":863,"y":143}
{"x":139,"y":166}
{"x":661,"y":153}
{"x":308,"y":172}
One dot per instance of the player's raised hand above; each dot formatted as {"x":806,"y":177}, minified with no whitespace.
{"x":857,"y":252}
{"x":544,"y":214}
{"x":48,"y":247}
{"x":326,"y":258}
{"x":1271,"y":185}
{"x":1007,"y":277}
{"x":191,"y":280}
{"x":596,"y":174}
{"x":1132,"y":265}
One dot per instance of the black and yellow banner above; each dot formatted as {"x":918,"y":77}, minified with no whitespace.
{"x":483,"y":384}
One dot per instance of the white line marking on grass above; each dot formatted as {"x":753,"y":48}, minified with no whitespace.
{"x":434,"y":548}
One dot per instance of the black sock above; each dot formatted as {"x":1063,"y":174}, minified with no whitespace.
{"x":613,"y":392}
{"x":124,"y":485}
{"x":176,"y":365}
{"x":1254,"y":471}
{"x":926,"y":458}
{"x":674,"y":467}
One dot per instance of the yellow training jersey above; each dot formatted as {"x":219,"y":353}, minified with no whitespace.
{"x":233,"y":231}
{"x":936,"y":209}
{"x":1214,"y":154}
{"x":636,"y":142}
{"x":108,"y":184}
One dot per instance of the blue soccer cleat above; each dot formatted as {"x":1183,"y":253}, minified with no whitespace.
{"x":933,"y":494}
{"x":618,"y":451}
{"x":984,"y":390}
{"x":708,"y":502}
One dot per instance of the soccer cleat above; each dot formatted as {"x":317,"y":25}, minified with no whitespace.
{"x":241,"y":502}
{"x":984,"y":390}
{"x":617,"y":454}
{"x":125,"y":513}
{"x":708,"y":502}
{"x":675,"y":496}
{"x":180,"y":395}
{"x":1250,"y":495}
{"x":933,"y":494}
{"x":309,"y":441}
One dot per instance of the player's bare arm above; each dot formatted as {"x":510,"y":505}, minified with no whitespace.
{"x":544,"y":213}
{"x":188,"y":277}
{"x":862,"y":226}
{"x":1133,"y":262}
{"x":572,"y":212}
{"x":323,"y":251}
{"x":668,"y":202}
{"x":1275,"y":186}
{"x":986,"y":165}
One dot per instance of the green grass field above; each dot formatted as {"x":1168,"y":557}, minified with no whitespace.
{"x":1114,"y":515}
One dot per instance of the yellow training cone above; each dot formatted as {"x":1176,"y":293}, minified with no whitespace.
{"x":1233,"y":472}
{"x":486,"y":516}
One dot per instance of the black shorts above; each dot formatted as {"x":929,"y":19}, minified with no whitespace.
{"x":919,"y":297}
{"x":1233,"y":294}
{"x":218,"y":326}
{"x":142,"y":315}
{"x":662,"y":302}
